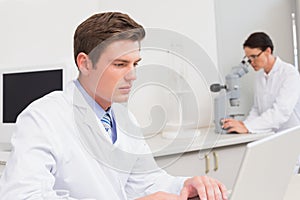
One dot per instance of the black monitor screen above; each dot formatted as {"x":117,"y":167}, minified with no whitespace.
{"x":20,"y":89}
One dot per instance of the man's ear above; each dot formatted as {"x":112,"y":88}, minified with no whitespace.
{"x":268,"y":50}
{"x":84,"y":63}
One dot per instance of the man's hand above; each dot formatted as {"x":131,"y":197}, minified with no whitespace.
{"x":160,"y":196}
{"x":232,"y":125}
{"x":205,"y":187}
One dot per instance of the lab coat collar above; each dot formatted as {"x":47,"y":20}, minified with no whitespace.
{"x":275,"y":67}
{"x":93,"y":136}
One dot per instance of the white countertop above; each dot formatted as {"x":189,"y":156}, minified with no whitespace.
{"x":168,"y":143}
{"x":198,"y":139}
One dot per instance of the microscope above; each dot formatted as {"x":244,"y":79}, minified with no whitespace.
{"x":231,"y":93}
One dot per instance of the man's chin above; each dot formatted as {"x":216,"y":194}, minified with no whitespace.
{"x":256,"y":68}
{"x":121,"y":99}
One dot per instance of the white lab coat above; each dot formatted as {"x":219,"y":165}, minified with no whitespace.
{"x":276,"y":99}
{"x":59,"y":144}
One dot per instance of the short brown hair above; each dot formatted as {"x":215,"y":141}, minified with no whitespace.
{"x":101,"y":29}
{"x":259,"y":40}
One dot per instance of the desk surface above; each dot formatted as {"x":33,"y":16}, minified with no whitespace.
{"x":202,"y":139}
{"x":193,"y":140}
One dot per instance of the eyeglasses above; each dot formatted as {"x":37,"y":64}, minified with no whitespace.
{"x":253,"y":57}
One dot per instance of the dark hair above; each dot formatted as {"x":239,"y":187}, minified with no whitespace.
{"x":259,"y":40}
{"x":100,"y":30}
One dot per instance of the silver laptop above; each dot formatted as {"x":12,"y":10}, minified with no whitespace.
{"x":267,"y":167}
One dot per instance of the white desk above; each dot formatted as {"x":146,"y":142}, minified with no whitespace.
{"x":206,"y":139}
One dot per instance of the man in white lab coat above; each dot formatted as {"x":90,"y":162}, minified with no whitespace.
{"x":83,"y":141}
{"x":277,"y":94}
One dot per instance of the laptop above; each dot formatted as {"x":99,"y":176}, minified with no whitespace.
{"x":267,"y":167}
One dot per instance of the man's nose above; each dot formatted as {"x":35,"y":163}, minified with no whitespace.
{"x":131,"y":74}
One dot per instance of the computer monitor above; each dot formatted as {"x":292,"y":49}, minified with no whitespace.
{"x":20,"y":87}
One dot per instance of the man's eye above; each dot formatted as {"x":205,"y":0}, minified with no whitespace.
{"x":119,"y":64}
{"x":136,"y":64}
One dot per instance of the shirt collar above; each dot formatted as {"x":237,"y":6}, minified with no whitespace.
{"x":274,"y":68}
{"x":100,"y":112}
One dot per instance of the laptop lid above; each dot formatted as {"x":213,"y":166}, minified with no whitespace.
{"x":267,"y":167}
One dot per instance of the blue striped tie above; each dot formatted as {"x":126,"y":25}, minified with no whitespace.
{"x":106,"y":121}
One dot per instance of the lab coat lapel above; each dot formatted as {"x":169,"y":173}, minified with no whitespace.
{"x":93,"y":138}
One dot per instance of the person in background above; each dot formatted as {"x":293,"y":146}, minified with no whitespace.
{"x":277,"y":94}
{"x":83,"y":141}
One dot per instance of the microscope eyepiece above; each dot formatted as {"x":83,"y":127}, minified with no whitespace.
{"x":217,"y":87}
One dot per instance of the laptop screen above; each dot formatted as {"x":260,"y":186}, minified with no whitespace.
{"x":267,"y":167}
